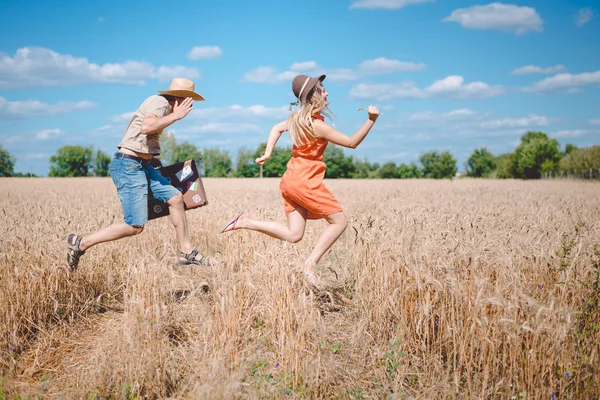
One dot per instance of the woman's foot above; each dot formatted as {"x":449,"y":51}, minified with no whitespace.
{"x":235,"y":222}
{"x":309,"y":273}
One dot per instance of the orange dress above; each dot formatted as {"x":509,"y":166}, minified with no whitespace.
{"x":302,"y":183}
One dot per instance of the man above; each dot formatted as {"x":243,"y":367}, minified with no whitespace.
{"x":133,"y":175}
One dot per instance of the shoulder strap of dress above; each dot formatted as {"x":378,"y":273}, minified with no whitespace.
{"x":318,"y":116}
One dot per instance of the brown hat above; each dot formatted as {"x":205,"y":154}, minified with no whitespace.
{"x":302,"y":85}
{"x":181,"y":87}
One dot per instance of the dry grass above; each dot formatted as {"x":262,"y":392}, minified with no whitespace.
{"x":464,"y":289}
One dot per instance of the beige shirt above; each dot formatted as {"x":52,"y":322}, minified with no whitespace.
{"x":133,"y":138}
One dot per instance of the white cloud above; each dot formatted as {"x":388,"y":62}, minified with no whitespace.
{"x":569,"y":133}
{"x":462,"y":113}
{"x":268,"y":75}
{"x":500,"y":16}
{"x":384,"y":65}
{"x":223,"y":127}
{"x":35,"y":156}
{"x":403,"y":90}
{"x":123,"y":117}
{"x":341,"y":75}
{"x":305,"y":66}
{"x":101,"y":130}
{"x":584,"y":16}
{"x":433,"y":116}
{"x":385,"y":4}
{"x":565,"y":82}
{"x":47,"y":134}
{"x":532,"y":69}
{"x":450,"y":87}
{"x":237,"y":113}
{"x":35,"y":108}
{"x":522,"y":122}
{"x":165,"y":74}
{"x":595,"y":121}
{"x":463,"y":123}
{"x":101,"y":20}
{"x":36,"y":66}
{"x":204,"y":52}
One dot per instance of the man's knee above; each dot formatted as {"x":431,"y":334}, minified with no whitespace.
{"x":175,"y":201}
{"x":135,"y":230}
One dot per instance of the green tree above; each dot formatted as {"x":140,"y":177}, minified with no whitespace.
{"x":503,"y":167}
{"x":277,"y":163}
{"x":7,"y":162}
{"x":185,"y":151}
{"x":362,"y":169}
{"x":438,"y":165}
{"x":409,"y":171}
{"x":101,"y":162}
{"x":338,"y":165}
{"x":569,"y":148}
{"x":245,"y":167}
{"x":535,"y":155}
{"x":71,"y":161}
{"x":216,"y":163}
{"x":480,"y":163}
{"x":387,"y":171}
{"x":167,"y":146}
{"x":24,"y":175}
{"x":581,"y":159}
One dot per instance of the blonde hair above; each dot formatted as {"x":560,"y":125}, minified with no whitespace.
{"x":300,"y":125}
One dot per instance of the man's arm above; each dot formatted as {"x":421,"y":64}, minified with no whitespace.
{"x":153,"y":124}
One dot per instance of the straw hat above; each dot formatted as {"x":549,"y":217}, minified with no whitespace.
{"x":181,"y":87}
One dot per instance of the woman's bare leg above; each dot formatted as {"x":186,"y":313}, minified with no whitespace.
{"x":292,"y":233}
{"x":337,"y":226}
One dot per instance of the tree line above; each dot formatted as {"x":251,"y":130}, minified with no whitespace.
{"x":536,"y":155}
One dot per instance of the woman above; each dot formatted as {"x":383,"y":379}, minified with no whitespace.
{"x":304,"y":194}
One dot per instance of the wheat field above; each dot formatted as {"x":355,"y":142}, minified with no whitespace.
{"x":437,"y":290}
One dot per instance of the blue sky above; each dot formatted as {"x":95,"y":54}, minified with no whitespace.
{"x":447,"y":75}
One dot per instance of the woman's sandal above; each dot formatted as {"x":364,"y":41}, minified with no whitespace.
{"x":233,"y":222}
{"x":74,"y":251}
{"x":192,"y":258}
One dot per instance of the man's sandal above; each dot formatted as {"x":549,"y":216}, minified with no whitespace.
{"x":74,"y":251}
{"x":193,"y":257}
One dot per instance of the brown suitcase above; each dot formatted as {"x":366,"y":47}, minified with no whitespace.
{"x":185,"y":177}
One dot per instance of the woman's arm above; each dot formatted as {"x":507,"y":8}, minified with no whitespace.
{"x":274,"y":136}
{"x":327,"y":132}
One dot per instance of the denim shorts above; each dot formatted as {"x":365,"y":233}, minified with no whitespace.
{"x":133,"y":180}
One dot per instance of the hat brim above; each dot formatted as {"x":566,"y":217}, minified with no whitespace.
{"x":311,"y":85}
{"x":182,"y":93}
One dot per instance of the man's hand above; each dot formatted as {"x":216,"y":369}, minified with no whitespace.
{"x":180,"y":110}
